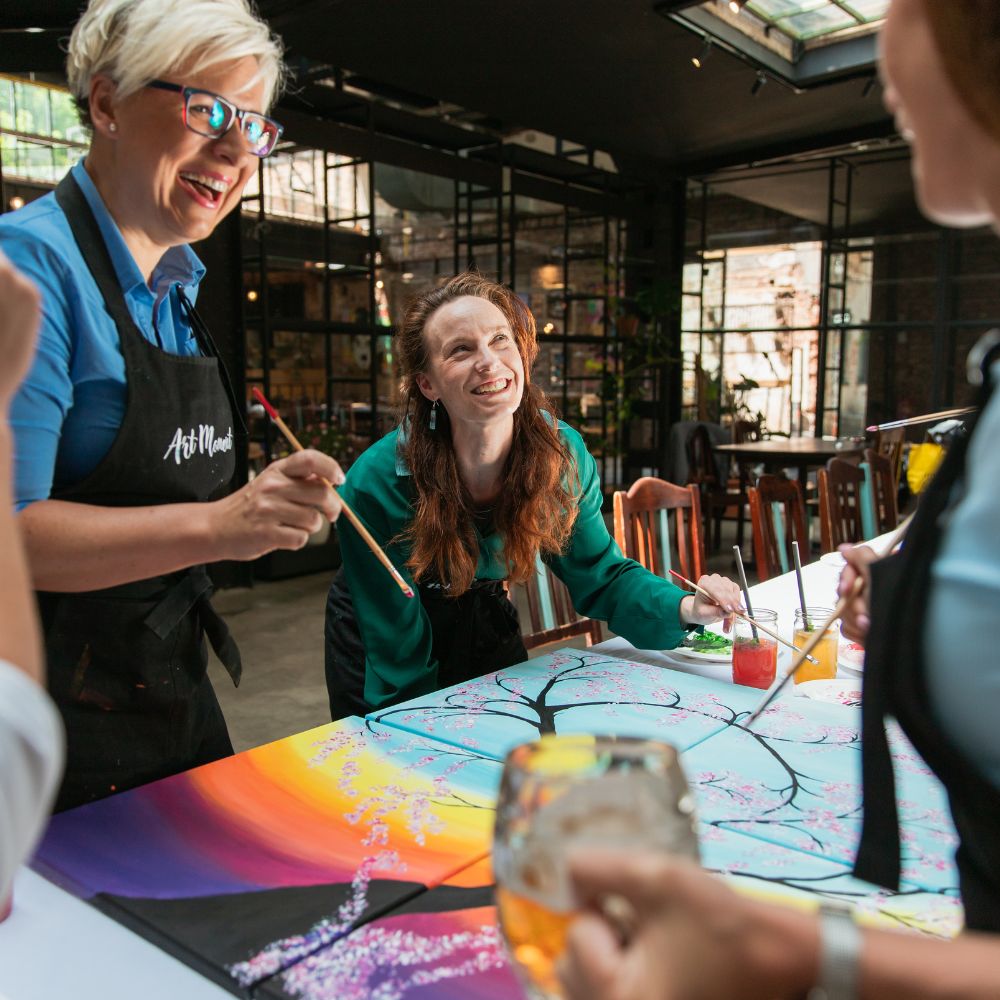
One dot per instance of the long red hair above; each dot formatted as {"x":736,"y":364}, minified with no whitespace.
{"x":537,"y":505}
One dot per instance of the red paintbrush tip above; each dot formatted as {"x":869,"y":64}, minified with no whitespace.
{"x":262,"y":399}
{"x":872,"y":429}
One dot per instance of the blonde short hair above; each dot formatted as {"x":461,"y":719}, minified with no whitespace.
{"x":135,"y":41}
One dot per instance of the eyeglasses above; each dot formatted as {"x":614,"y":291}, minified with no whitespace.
{"x":213,"y":116}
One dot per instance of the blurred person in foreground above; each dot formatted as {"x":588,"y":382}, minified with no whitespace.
{"x":31,"y":736}
{"x":695,"y":937}
{"x":126,"y":427}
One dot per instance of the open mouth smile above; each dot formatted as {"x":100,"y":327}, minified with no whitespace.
{"x":492,"y":388}
{"x":207,"y":190}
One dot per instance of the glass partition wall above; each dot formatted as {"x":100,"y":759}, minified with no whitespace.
{"x":817,"y":300}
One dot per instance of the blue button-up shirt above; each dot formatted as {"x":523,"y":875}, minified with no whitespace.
{"x":962,"y":630}
{"x":67,"y":412}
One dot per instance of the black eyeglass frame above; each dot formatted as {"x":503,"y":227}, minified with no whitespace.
{"x":238,"y":114}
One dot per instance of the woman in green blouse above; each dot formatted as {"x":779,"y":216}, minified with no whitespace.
{"x":475,"y":483}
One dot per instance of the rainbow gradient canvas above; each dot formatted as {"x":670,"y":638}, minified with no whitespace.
{"x":247,"y":865}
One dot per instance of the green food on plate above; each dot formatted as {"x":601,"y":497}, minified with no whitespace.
{"x":708,"y":642}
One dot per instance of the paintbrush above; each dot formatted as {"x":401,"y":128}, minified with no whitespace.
{"x":925,"y":418}
{"x":351,"y":516}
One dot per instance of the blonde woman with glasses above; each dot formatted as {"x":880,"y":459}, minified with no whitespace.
{"x":126,"y":428}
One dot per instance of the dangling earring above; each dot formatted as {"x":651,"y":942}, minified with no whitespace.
{"x":433,"y":422}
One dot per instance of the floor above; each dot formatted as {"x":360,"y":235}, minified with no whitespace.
{"x":279,"y":629}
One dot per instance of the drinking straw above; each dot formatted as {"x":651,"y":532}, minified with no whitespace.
{"x":802,"y":589}
{"x":351,"y":516}
{"x":746,"y":588}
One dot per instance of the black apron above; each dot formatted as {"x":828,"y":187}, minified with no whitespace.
{"x":895,"y":685}
{"x":471,"y":635}
{"x":127,"y":664}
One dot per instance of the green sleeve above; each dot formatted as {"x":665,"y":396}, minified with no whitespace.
{"x":395,"y":628}
{"x":636,"y":604}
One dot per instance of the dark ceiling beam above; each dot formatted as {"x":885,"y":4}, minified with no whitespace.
{"x":787,"y":149}
{"x":317,"y":133}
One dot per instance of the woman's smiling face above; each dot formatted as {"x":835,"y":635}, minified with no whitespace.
{"x":473,"y":365}
{"x":173,"y":184}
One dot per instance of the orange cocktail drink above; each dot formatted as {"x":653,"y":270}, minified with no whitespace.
{"x":825,"y":651}
{"x":563,"y":792}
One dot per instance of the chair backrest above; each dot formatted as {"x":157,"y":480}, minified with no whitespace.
{"x":701,"y":458}
{"x":890,"y":444}
{"x":550,"y":608}
{"x":883,"y":487}
{"x":642,"y":526}
{"x":841,"y":486}
{"x":777,"y":513}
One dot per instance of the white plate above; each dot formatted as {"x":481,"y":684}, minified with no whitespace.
{"x":833,"y":559}
{"x":851,"y":656}
{"x":692,"y":654}
{"x":841,"y":692}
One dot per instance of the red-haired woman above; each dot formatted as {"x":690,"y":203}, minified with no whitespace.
{"x":477,"y":482}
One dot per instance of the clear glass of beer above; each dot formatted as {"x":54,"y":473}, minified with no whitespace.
{"x":563,"y":792}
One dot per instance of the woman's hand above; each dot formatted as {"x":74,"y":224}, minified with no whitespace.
{"x":694,"y":938}
{"x":855,"y":621}
{"x":279,"y":509}
{"x":20,"y":315}
{"x":699,"y":610}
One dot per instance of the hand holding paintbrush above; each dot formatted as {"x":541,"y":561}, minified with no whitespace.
{"x":348,"y":513}
{"x":851,"y":588}
{"x":739,"y":614}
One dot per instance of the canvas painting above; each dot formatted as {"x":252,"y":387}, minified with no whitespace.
{"x":245,"y":866}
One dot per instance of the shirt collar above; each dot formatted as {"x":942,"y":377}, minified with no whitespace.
{"x":179,"y":265}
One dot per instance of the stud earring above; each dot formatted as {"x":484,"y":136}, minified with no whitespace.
{"x":433,"y":422}
{"x":112,"y":127}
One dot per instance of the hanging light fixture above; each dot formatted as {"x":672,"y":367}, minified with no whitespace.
{"x":706,"y":50}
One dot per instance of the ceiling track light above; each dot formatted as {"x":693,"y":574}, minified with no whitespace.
{"x":758,"y":83}
{"x":706,"y":50}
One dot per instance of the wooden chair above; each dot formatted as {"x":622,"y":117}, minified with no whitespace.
{"x":716,"y":495}
{"x":641,"y":521}
{"x":890,"y":445}
{"x":879,"y":472}
{"x":553,"y":617}
{"x":841,"y":488}
{"x":778,"y":517}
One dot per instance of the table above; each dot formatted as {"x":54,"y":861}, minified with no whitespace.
{"x":357,"y":853}
{"x":802,"y":453}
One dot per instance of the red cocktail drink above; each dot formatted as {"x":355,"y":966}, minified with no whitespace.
{"x":755,"y":655}
{"x":755,"y":662}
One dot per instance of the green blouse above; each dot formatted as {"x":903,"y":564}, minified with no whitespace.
{"x":395,"y":629}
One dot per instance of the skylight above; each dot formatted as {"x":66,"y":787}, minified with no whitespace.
{"x":803,"y":42}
